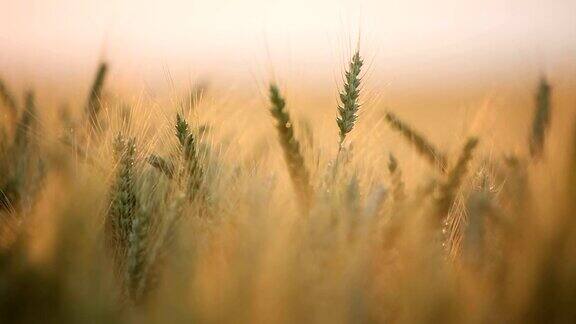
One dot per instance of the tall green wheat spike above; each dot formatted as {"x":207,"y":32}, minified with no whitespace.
{"x":292,"y":155}
{"x":348,"y":109}
{"x":541,"y":121}
{"x":94,"y":103}
{"x":123,"y":200}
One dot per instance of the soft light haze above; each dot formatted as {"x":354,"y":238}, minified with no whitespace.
{"x":402,"y":39}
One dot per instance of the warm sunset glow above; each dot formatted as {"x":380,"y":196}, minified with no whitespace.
{"x":287,"y":161}
{"x":233,"y":37}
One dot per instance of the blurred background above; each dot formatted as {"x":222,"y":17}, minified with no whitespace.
{"x":426,"y":58}
{"x":407,"y":40}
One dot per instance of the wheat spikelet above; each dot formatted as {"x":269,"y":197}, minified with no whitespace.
{"x":294,"y":160}
{"x":541,"y":121}
{"x":94,"y":103}
{"x":348,"y":109}
{"x":423,"y":146}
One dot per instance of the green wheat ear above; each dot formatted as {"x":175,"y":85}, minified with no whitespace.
{"x":541,"y":121}
{"x":348,"y":109}
{"x":123,"y":199}
{"x":420,"y":143}
{"x":292,"y":155}
{"x":94,"y":104}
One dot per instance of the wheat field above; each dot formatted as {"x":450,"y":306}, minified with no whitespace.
{"x":192,"y":209}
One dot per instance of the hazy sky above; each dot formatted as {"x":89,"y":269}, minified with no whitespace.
{"x":240,"y":37}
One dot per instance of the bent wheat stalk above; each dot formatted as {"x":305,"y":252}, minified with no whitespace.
{"x":423,"y":146}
